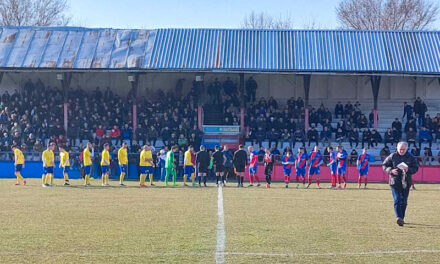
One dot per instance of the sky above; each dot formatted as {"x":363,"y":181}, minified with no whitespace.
{"x":149,"y":14}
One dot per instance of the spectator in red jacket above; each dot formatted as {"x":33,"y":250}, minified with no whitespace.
{"x":115,"y":134}
{"x":99,"y":132}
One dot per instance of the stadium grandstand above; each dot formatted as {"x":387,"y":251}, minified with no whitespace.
{"x":268,"y":88}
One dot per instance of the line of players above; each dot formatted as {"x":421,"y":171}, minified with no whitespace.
{"x":204,"y":161}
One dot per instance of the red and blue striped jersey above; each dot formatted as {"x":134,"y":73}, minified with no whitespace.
{"x":333,"y":162}
{"x":315,"y":159}
{"x":363,"y":161}
{"x":342,"y":159}
{"x":301,"y":160}
{"x":253,"y":159}
{"x":288,"y":162}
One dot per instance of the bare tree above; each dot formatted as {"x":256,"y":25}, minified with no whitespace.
{"x":387,"y":14}
{"x":264,"y":21}
{"x":34,"y":13}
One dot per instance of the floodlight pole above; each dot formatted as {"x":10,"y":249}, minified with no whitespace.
{"x":375,"y":86}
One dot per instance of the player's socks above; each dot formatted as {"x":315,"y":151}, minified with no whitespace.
{"x":19,"y":177}
{"x":359,"y":181}
{"x":303,"y":180}
{"x":43,"y":179}
{"x":309,"y":180}
{"x":185,"y":177}
{"x":174,"y":178}
{"x":86,"y":179}
{"x":251,"y":179}
{"x":103,"y":179}
{"x":142,"y":179}
{"x":339,"y":179}
{"x":151,"y":178}
{"x":257,"y":179}
{"x":46,"y":179}
{"x":121,"y":178}
{"x":66,"y":177}
{"x":318,"y":182}
{"x":286,"y":179}
{"x":193,"y":179}
{"x":365,"y":181}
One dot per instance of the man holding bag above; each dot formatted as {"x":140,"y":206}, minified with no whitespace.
{"x":400,"y":166}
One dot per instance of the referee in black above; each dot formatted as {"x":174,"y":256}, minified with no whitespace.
{"x":401,"y":166}
{"x":239,"y":161}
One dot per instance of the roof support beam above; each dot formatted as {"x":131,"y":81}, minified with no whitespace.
{"x":375,"y":86}
{"x":1,"y":76}
{"x":133,"y":79}
{"x":242,"y":103}
{"x":65,"y":79}
{"x":306,"y":85}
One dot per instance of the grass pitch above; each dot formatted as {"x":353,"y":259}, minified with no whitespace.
{"x":179,"y":225}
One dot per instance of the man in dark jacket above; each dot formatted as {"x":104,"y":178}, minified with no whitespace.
{"x":202,"y":162}
{"x":229,"y":170}
{"x":401,"y":166}
{"x":239,"y":161}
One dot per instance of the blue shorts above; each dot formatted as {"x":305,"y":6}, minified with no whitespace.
{"x":123,"y":168}
{"x":341,"y":171}
{"x":253,"y":170}
{"x":314,"y":170}
{"x":66,"y":169}
{"x":188,"y":170}
{"x":287,"y":171}
{"x":363,"y":172}
{"x":18,"y":167}
{"x":87,"y":169}
{"x":301,"y":172}
{"x":47,"y":170}
{"x":146,"y":169}
{"x":104,"y":169}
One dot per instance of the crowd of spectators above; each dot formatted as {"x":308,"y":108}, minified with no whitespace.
{"x":34,"y":115}
{"x":266,"y":121}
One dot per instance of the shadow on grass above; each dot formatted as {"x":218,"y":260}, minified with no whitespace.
{"x":429,"y":226}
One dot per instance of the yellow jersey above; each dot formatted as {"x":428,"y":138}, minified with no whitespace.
{"x":87,"y":157}
{"x":48,"y":158}
{"x":105,"y":156}
{"x":19,"y":157}
{"x":122,"y":156}
{"x":187,"y":158}
{"x":146,"y":154}
{"x":64,"y":159}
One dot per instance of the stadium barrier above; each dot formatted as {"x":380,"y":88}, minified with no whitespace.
{"x":33,"y":169}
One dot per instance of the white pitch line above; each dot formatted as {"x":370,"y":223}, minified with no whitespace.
{"x":367,"y":253}
{"x":221,"y":234}
{"x":260,"y":254}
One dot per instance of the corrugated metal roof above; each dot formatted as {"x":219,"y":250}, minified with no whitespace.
{"x":221,"y":49}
